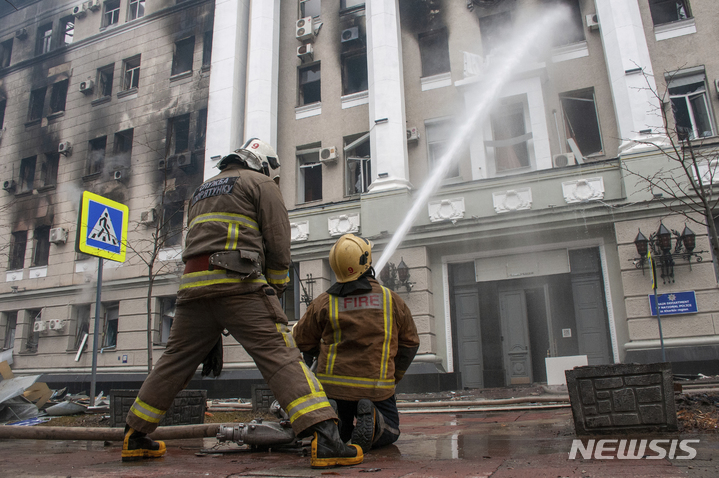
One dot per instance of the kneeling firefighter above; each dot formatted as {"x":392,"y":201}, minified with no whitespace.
{"x":237,"y":256}
{"x":366,"y":339}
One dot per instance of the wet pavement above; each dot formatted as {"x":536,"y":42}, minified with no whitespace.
{"x":532,"y":443}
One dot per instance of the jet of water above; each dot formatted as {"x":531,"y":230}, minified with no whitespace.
{"x":515,"y":53}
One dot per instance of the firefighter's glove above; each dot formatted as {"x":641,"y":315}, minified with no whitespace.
{"x":212,"y":363}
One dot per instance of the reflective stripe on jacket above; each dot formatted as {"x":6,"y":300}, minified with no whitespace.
{"x":359,"y":337}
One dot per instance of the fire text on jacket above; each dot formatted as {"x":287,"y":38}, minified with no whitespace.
{"x":214,"y":188}
{"x":365,"y":301}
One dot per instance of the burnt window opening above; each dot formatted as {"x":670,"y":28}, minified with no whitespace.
{"x":44,"y":39}
{"x":178,"y":132}
{"x":173,"y":218}
{"x":434,"y":52}
{"x":96,"y":155}
{"x":131,"y":74}
{"x":310,"y":86}
{"x":112,"y":13}
{"x":5,"y":53}
{"x":167,"y":315}
{"x":37,"y":103}
{"x":3,"y":103}
{"x":58,"y":96}
{"x":10,"y":329}
{"x":33,"y":337}
{"x":438,"y":133}
{"x":310,"y":8}
{"x":201,"y":134}
{"x":582,"y":121}
{"x":509,"y":130}
{"x":136,"y":9}
{"x":354,"y":73}
{"x":494,"y":30}
{"x":112,"y":318}
{"x":104,"y":80}
{"x":41,"y":246}
{"x":207,"y":49}
{"x":571,"y":28}
{"x":82,"y":324}
{"x":358,"y":163}
{"x":667,"y":11}
{"x":48,"y":169}
{"x":67,"y":30}
{"x":184,"y":53}
{"x":18,"y":243}
{"x":27,"y":174}
{"x":347,"y":4}
{"x":310,"y":175}
{"x":691,"y":106}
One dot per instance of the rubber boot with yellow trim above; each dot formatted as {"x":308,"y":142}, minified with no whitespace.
{"x":329,"y":450}
{"x":364,"y":431}
{"x":138,"y":445}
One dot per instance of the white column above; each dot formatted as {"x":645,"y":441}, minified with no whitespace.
{"x":263,"y":71}
{"x":388,"y":129}
{"x":629,"y":67}
{"x":226,"y":103}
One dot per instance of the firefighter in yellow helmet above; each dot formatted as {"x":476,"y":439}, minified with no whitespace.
{"x":365,"y":339}
{"x":237,"y":256}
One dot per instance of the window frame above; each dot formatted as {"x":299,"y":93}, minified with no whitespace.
{"x":301,"y":85}
{"x":28,"y":168}
{"x":517,"y":103}
{"x":110,"y":330}
{"x":6,"y":53}
{"x":168,"y":306}
{"x":18,"y":248}
{"x":313,"y":166}
{"x":10,"y":329}
{"x":41,"y":246}
{"x":64,"y":22}
{"x":302,"y":11}
{"x":180,"y":63}
{"x":364,"y":163}
{"x":122,"y":145}
{"x":96,"y":165}
{"x":134,"y":14}
{"x":32,"y":339}
{"x":79,"y":322}
{"x":37,"y":103}
{"x":683,"y":80}
{"x":3,"y":105}
{"x":49,"y":169}
{"x":58,"y":97}
{"x":104,"y":74}
{"x":655,"y":11}
{"x":129,"y":68}
{"x":569,"y":129}
{"x":111,"y":13}
{"x":207,"y":49}
{"x":436,"y":144}
{"x":44,"y":39}
{"x":355,"y":55}
{"x":172,"y":225}
{"x":425,"y":52}
{"x":173,"y":130}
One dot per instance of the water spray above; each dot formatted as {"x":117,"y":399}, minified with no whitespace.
{"x":499,"y":75}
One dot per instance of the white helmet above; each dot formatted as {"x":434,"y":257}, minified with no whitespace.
{"x":254,"y":154}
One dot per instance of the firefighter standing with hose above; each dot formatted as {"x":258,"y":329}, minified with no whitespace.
{"x":237,"y":256}
{"x":366,"y":339}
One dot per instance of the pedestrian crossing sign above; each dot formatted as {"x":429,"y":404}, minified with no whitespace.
{"x":102,"y":227}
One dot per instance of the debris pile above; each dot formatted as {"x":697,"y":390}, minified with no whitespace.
{"x":698,"y":412}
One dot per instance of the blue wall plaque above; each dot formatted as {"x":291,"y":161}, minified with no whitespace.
{"x":674,"y":303}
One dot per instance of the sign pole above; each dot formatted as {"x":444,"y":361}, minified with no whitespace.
{"x":96,"y":333}
{"x":656,"y":301}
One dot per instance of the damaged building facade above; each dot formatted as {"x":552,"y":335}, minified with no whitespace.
{"x":525,"y":252}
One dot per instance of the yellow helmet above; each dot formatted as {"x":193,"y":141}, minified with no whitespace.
{"x":350,"y":257}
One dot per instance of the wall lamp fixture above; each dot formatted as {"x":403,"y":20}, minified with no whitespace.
{"x":394,"y":277}
{"x":660,"y":244}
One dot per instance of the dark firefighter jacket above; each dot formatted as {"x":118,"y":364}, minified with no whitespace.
{"x":366,"y":342}
{"x":237,"y":210}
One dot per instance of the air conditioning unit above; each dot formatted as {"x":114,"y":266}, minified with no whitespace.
{"x":80,"y":10}
{"x":86,"y":86}
{"x":412,"y":134}
{"x":9,"y":185}
{"x":148,"y":217}
{"x":592,"y":21}
{"x":328,"y":155}
{"x":56,"y":324}
{"x":304,"y":29}
{"x":185,"y":161}
{"x":21,"y":33}
{"x":164,"y":164}
{"x":39,"y":326}
{"x":94,"y":5}
{"x":305,"y":51}
{"x":350,"y":34}
{"x":58,"y":235}
{"x":117,"y":175}
{"x":64,"y":148}
{"x":563,"y":160}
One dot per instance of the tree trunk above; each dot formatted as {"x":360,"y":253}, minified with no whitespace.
{"x":149,"y":317}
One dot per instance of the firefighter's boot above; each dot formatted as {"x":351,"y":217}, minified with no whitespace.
{"x":329,"y":450}
{"x":364,"y":431}
{"x":138,"y":445}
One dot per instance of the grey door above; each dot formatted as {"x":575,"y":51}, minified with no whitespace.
{"x":469,"y":337}
{"x":515,"y":337}
{"x":591,"y":319}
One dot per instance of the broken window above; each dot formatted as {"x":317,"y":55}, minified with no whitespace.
{"x":104,"y":80}
{"x":5,"y":53}
{"x":112,"y":13}
{"x":112,"y":316}
{"x":691,"y":106}
{"x":201,"y":133}
{"x":582,"y":121}
{"x":27,"y":174}
{"x":82,"y":324}
{"x":10,"y":328}
{"x":3,"y":103}
{"x":358,"y":163}
{"x":37,"y":103}
{"x":123,"y":146}
{"x":434,"y":52}
{"x":571,"y":26}
{"x":494,"y":30}
{"x":58,"y":96}
{"x":41,"y":246}
{"x":182,"y":59}
{"x":438,"y":133}
{"x":173,"y":219}
{"x":345,"y":4}
{"x":666,"y":11}
{"x":510,"y":137}
{"x":137,"y":9}
{"x":310,"y":8}
{"x":167,"y":315}
{"x":131,"y":73}
{"x":18,"y":243}
{"x":96,"y":155}
{"x":33,"y":337}
{"x":354,"y":73}
{"x":309,"y":84}
{"x":67,"y":30}
{"x":44,"y":39}
{"x":310,"y":175}
{"x":207,"y":49}
{"x":179,"y":133}
{"x":48,"y":169}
